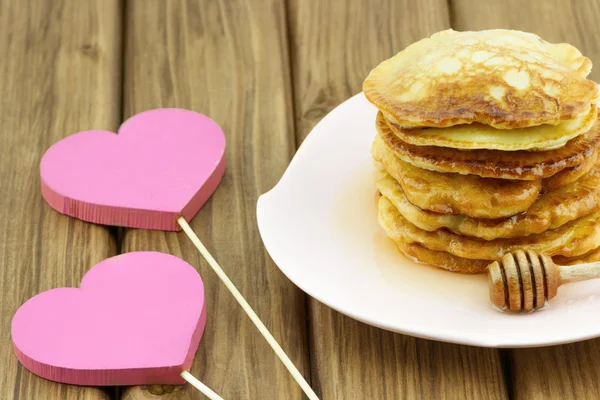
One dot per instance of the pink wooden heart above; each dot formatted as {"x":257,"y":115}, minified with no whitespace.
{"x":136,"y":319}
{"x":163,"y":164}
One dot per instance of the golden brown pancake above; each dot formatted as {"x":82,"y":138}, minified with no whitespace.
{"x":525,"y":165}
{"x":570,"y":240}
{"x":568,"y":175}
{"x":550,"y":211}
{"x":441,"y":259}
{"x":452,"y":193}
{"x":592,"y":256}
{"x":484,"y":137}
{"x":447,"y":261}
{"x":502,"y":78}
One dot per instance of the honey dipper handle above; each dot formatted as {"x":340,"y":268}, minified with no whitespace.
{"x":579,"y":272}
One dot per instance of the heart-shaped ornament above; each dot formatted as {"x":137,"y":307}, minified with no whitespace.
{"x":162,"y":164}
{"x":136,"y":319}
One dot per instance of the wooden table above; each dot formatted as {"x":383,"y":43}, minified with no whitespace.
{"x":267,"y":71}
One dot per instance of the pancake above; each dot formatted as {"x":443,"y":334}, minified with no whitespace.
{"x":442,"y":259}
{"x":592,"y":256}
{"x":550,"y":211}
{"x":479,"y":136}
{"x":568,"y":175}
{"x":502,"y":78}
{"x":447,"y":261}
{"x":525,"y":165}
{"x":572,"y":239}
{"x":451,"y":193}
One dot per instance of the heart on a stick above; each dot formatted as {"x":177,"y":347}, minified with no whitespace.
{"x":136,"y":319}
{"x":163,"y":164}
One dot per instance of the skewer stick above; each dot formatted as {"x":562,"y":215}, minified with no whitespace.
{"x":249,"y":311}
{"x":192,"y":380}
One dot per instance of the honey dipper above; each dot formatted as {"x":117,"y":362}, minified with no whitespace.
{"x":523,"y":281}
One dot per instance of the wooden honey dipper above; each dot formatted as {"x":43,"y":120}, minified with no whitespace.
{"x":523,"y":281}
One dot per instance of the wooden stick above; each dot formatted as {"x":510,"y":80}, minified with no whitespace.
{"x":249,"y":311}
{"x":192,"y":380}
{"x":581,"y":272}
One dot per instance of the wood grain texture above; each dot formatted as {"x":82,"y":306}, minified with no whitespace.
{"x":59,"y":74}
{"x":334,"y":46}
{"x":560,"y":372}
{"x":228,"y":60}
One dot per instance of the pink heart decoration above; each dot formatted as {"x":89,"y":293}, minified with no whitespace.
{"x":163,"y":164}
{"x":136,"y":319}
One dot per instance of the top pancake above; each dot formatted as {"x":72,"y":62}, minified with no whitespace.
{"x":502,"y":78}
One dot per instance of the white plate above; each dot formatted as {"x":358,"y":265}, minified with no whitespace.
{"x":320,"y":227}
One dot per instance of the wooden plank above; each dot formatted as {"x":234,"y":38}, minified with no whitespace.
{"x":359,"y":34}
{"x":334,"y":46}
{"x":59,"y":74}
{"x":560,"y":372}
{"x":229,"y":60}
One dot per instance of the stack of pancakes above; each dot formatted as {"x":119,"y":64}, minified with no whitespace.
{"x":487,"y":143}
